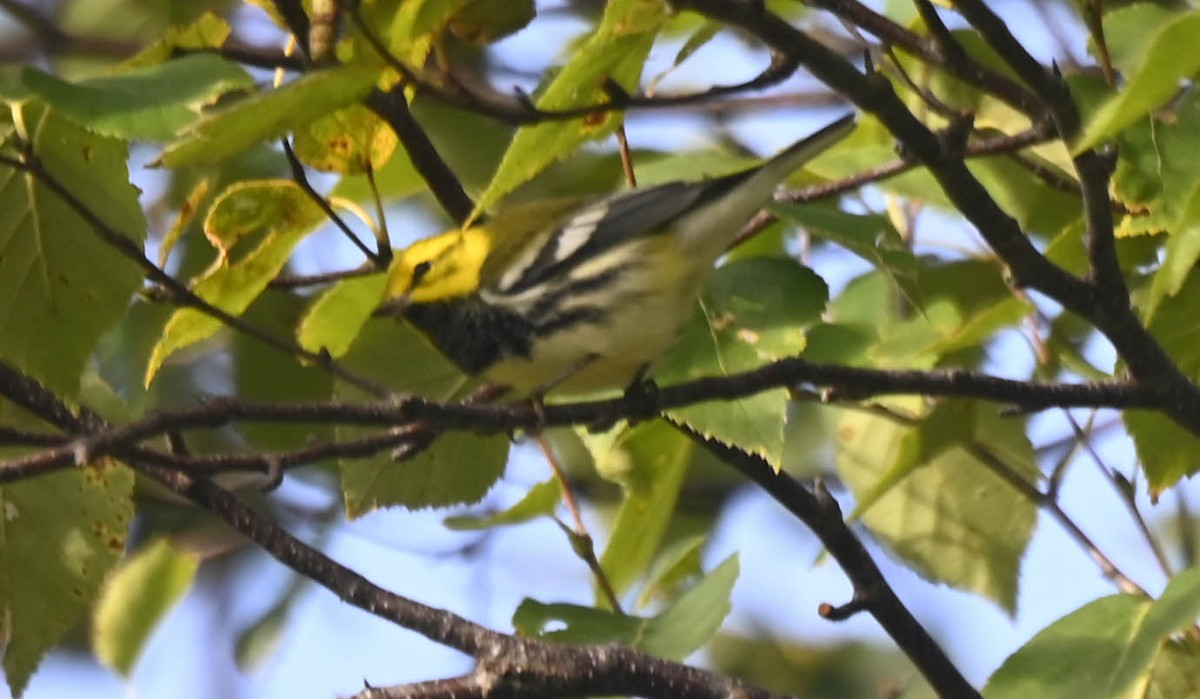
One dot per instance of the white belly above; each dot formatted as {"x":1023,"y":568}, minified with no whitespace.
{"x":593,"y":357}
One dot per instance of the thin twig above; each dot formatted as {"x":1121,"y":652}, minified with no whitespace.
{"x":1110,"y":570}
{"x":1186,"y":528}
{"x":301,"y":179}
{"x":297,"y":281}
{"x":1126,"y":492}
{"x":522,"y":111}
{"x":626,"y":157}
{"x":393,"y":108}
{"x":581,"y":539}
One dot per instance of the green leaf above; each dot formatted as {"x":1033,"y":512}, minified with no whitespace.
{"x":964,"y":305}
{"x":259,"y":640}
{"x":700,"y":36}
{"x":207,"y":32}
{"x":1129,"y":31}
{"x":1176,"y":673}
{"x":541,"y":501}
{"x":335,"y":318}
{"x":1163,"y":447}
{"x":269,"y":115}
{"x":1150,"y":84}
{"x":458,"y":468}
{"x":616,"y":51}
{"x":1177,"y":326}
{"x":280,"y":214}
{"x":871,"y":237}
{"x":395,"y":180}
{"x":678,"y":564}
{"x":260,"y":373}
{"x":681,"y":629}
{"x":1037,"y":207}
{"x":1156,"y":178}
{"x":147,"y":104}
{"x":55,"y":271}
{"x":649,"y":461}
{"x":415,"y":27}
{"x":59,"y":535}
{"x":390,"y":352}
{"x":1105,"y":649}
{"x":1179,"y":258}
{"x":136,"y":598}
{"x":753,"y":311}
{"x":692,"y":620}
{"x":951,"y":423}
{"x":812,"y":667}
{"x":346,"y":141}
{"x":1165,"y":450}
{"x":486,"y":21}
{"x":1067,"y":249}
{"x":579,"y":625}
{"x":930,"y":498}
{"x":262,"y":638}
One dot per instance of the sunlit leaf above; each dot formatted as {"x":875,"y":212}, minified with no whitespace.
{"x":1156,"y":178}
{"x":135,"y":599}
{"x":335,"y":318}
{"x":59,"y":535}
{"x":268,"y":115}
{"x":679,"y":630}
{"x":208,"y":31}
{"x":649,"y":461}
{"x":61,"y":285}
{"x":278,"y":213}
{"x":929,"y":495}
{"x":616,"y":51}
{"x":1105,"y":649}
{"x":1176,"y":671}
{"x":541,"y":500}
{"x":146,"y":104}
{"x":753,"y":311}
{"x":346,"y":141}
{"x":1149,"y":84}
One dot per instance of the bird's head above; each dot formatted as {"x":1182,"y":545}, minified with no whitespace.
{"x":440,"y":268}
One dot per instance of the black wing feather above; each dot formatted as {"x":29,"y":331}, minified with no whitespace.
{"x":626,"y":215}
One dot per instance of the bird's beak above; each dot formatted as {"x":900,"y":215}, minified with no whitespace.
{"x":394,"y":306}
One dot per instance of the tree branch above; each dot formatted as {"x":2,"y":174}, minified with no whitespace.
{"x":1147,"y":360}
{"x":392,"y":107}
{"x":435,"y":417}
{"x":932,"y":52}
{"x":513,"y":666}
{"x":872,"y":593}
{"x":1094,"y":170}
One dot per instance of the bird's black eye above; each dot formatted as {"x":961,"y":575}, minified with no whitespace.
{"x":420,"y":271}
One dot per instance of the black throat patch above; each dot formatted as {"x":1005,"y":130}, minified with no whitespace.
{"x":471,"y":333}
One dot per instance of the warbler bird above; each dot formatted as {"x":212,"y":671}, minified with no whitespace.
{"x":573,"y":296}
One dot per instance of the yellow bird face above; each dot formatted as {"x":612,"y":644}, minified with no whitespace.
{"x":443,"y":267}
